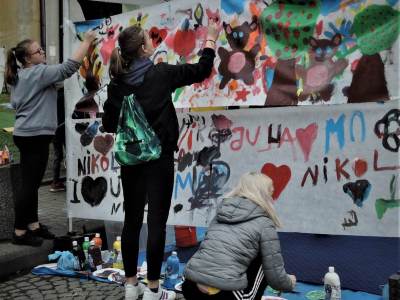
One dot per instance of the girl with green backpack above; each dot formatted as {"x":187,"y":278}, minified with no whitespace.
{"x":140,"y":109}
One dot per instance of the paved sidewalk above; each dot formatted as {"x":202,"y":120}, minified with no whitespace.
{"x":52,"y":212}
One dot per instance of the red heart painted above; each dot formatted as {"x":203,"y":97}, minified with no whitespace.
{"x":306,"y":138}
{"x":280,"y":177}
{"x":157,"y":35}
{"x":103,"y":144}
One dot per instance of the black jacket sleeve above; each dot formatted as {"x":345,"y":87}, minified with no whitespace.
{"x":186,"y":74}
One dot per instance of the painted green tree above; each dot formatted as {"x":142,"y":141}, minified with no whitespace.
{"x":288,"y":26}
{"x":376,"y":29}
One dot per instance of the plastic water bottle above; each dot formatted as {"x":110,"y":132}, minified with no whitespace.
{"x":117,"y":262}
{"x":172,"y":270}
{"x":332,"y":285}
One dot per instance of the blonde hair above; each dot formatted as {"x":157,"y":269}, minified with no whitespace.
{"x":258,"y":188}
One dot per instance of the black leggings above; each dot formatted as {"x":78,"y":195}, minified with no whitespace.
{"x":254,"y":291}
{"x":34,"y":153}
{"x":150,"y":183}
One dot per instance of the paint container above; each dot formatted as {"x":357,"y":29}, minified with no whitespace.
{"x":332,"y":285}
{"x":117,"y":259}
{"x":171,"y":271}
{"x":95,"y":260}
{"x":394,"y":286}
{"x":97,"y":240}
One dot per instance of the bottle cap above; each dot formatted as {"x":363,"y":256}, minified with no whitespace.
{"x":97,"y":235}
{"x":331,"y":269}
{"x":118,"y":238}
{"x":174,"y":253}
{"x":86,"y":239}
{"x":92,"y":243}
{"x":74,"y":243}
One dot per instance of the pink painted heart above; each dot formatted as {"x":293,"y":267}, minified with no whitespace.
{"x":103,"y":144}
{"x":306,"y":138}
{"x":280,"y":176}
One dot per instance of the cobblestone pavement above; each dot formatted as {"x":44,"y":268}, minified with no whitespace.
{"x":55,"y":287}
{"x":52,"y":211}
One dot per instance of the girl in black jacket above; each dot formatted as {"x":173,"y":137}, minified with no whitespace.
{"x":131,"y":71}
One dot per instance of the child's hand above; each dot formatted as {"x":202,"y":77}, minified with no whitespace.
{"x":213,"y":30}
{"x":90,"y":36}
{"x":293,"y":279}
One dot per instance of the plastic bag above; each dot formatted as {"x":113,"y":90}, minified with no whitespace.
{"x":66,"y":260}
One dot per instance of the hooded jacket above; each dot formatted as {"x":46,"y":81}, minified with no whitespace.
{"x":153,"y":86}
{"x":240,"y":232}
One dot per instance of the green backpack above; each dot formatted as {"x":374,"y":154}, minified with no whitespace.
{"x":136,"y":142}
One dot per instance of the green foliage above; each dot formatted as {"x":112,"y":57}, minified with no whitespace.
{"x":7,"y":118}
{"x":289,"y":26}
{"x":376,"y":28}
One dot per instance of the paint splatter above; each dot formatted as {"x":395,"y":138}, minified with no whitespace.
{"x":358,"y":191}
{"x":103,"y":144}
{"x":185,"y":161}
{"x":233,"y":6}
{"x":207,"y":155}
{"x":87,"y":137}
{"x":93,"y":191}
{"x":280,"y":176}
{"x":81,"y":127}
{"x":360,"y":167}
{"x":210,"y":185}
{"x":388,"y":129}
{"x":178,"y":208}
{"x":306,"y":138}
{"x":108,"y":44}
{"x":382,"y":205}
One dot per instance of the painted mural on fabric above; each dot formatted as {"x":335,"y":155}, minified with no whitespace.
{"x":271,"y":53}
{"x":340,"y":163}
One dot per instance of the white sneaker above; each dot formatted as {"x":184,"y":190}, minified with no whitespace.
{"x":161,"y":295}
{"x":133,"y":292}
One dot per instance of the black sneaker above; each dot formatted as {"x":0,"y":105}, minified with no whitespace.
{"x":27,"y":239}
{"x":43,"y":232}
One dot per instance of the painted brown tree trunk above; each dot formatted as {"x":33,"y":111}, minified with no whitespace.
{"x":368,"y":83}
{"x":283,"y":89}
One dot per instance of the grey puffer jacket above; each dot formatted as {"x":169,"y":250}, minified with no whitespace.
{"x":240,"y":231}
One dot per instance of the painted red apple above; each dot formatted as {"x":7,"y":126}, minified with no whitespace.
{"x":184,"y":40}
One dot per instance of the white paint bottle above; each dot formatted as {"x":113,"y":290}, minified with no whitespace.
{"x":332,"y":285}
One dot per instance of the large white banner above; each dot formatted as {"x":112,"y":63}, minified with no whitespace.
{"x":335,"y":168}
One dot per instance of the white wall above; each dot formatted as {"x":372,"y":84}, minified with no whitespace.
{"x":2,"y":63}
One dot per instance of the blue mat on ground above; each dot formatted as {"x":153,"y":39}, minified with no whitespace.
{"x":42,"y":270}
{"x":363,"y":263}
{"x":303,"y":289}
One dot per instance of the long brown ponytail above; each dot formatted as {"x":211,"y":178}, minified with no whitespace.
{"x":18,"y":53}
{"x":130,"y":40}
